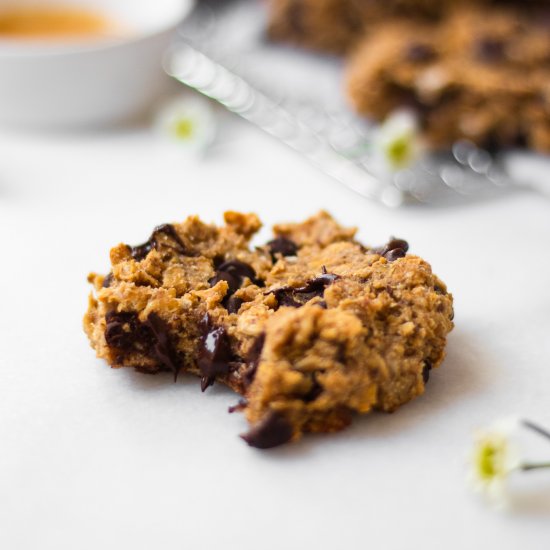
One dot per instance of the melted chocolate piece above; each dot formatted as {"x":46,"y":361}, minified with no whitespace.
{"x":233,"y":272}
{"x":162,"y":349}
{"x":107,"y":281}
{"x":490,"y":50}
{"x":317,"y":286}
{"x":284,"y":297}
{"x":125,"y":333}
{"x":283,"y":246}
{"x":420,"y":53}
{"x":439,"y":290}
{"x":214,"y":352}
{"x":426,"y":370}
{"x":315,"y":391}
{"x":396,"y":248}
{"x":233,"y":304}
{"x":395,"y":254}
{"x":240,"y":406}
{"x":139,"y":252}
{"x":298,"y":296}
{"x":253,"y":360}
{"x":270,"y":432}
{"x":124,"y":330}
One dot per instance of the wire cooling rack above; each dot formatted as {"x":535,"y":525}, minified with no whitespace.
{"x":297,"y":98}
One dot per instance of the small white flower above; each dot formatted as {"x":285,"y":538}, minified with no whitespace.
{"x":187,"y":122}
{"x":396,"y":143}
{"x":493,"y":458}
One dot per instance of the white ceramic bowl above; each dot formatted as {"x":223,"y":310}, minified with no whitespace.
{"x":88,"y":83}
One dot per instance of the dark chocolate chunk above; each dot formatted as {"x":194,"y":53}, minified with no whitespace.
{"x":233,"y":282}
{"x":151,"y":370}
{"x":233,"y":272}
{"x":426,"y":370}
{"x":140,"y":252}
{"x":270,"y":432}
{"x":233,"y":304}
{"x":314,"y":392}
{"x":121,"y":329}
{"x":420,"y":53}
{"x":298,"y":296}
{"x":283,"y":246}
{"x":396,"y":248}
{"x":214,"y":352}
{"x":489,"y":50}
{"x":253,"y":360}
{"x":395,"y":254}
{"x":284,"y":297}
{"x":240,"y":406}
{"x":125,"y":333}
{"x":162,"y":349}
{"x":107,"y":281}
{"x":317,"y":286}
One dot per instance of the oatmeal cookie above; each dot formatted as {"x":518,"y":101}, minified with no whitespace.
{"x":481,"y":73}
{"x":336,"y":25}
{"x":310,"y":328}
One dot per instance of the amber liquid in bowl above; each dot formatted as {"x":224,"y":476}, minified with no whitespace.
{"x":54,"y":23}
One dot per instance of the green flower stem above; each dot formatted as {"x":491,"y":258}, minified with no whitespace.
{"x":539,"y":466}
{"x":535,"y":428}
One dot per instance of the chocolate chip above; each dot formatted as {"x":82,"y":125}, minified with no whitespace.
{"x":140,"y":252}
{"x":426,"y":370}
{"x":419,"y":53}
{"x":253,"y":360}
{"x":314,"y":392}
{"x":233,"y":272}
{"x":396,"y":248}
{"x":490,"y":50}
{"x":284,"y":297}
{"x":270,"y":432}
{"x":150,"y":370}
{"x":123,"y":330}
{"x":241,"y":405}
{"x":108,"y":280}
{"x":233,"y":282}
{"x":298,"y":296}
{"x":233,"y":304}
{"x":395,"y":254}
{"x":125,"y":333}
{"x":283,"y":246}
{"x":214,"y":352}
{"x":162,"y":349}
{"x":317,"y":286}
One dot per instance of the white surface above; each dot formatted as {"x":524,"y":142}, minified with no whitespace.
{"x":99,"y":458}
{"x":95,"y":83}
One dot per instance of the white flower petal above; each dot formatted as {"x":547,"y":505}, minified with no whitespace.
{"x":396,"y":143}
{"x":187,"y":122}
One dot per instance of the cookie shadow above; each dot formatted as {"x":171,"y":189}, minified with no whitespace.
{"x":458,"y":378}
{"x":159,"y":381}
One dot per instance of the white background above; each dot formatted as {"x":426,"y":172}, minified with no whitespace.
{"x":97,"y":458}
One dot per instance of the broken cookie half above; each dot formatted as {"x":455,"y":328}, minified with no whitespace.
{"x":310,"y":328}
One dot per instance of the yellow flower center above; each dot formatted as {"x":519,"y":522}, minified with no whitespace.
{"x":399,"y":150}
{"x":491,"y":459}
{"x":183,"y":128}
